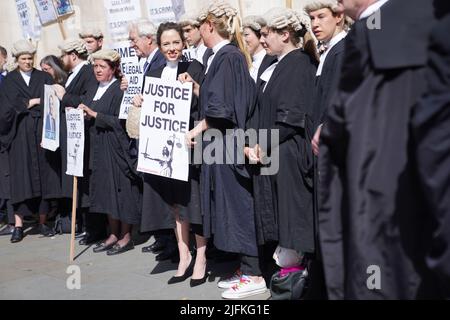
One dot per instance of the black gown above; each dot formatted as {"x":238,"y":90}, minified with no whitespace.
{"x":287,"y":105}
{"x":372,"y":211}
{"x":226,"y":95}
{"x":431,"y":127}
{"x":161,"y":194}
{"x":34,"y":172}
{"x":75,"y":93}
{"x":263,"y":193}
{"x":114,"y":185}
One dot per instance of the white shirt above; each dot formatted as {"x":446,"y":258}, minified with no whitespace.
{"x":267,"y":75}
{"x":216,"y":49}
{"x":256,"y":64}
{"x":374,"y":7}
{"x":102,"y":87}
{"x":170,"y":71}
{"x":334,"y":41}
{"x":75,"y":72}
{"x":200,"y":52}
{"x":26,"y":77}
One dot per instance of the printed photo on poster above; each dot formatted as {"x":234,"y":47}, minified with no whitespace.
{"x":63,"y":7}
{"x":51,"y":120}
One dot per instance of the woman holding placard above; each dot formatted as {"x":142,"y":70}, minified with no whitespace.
{"x":172,"y":203}
{"x":114,"y":185}
{"x":34,"y":172}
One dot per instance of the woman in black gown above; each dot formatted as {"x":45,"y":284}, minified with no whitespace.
{"x":34,"y":172}
{"x":114,"y":186}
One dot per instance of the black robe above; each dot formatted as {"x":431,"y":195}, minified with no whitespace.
{"x":327,"y":82}
{"x":431,"y":127}
{"x":263,"y":193}
{"x":161,"y":194}
{"x":34,"y":171}
{"x":75,"y":93}
{"x":226,"y":95}
{"x":114,"y":185}
{"x":372,"y":212}
{"x":287,"y":105}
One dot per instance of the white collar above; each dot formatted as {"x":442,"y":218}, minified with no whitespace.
{"x":107,"y":83}
{"x":102,"y":88}
{"x":259,"y":56}
{"x":172,"y":65}
{"x":28,"y":73}
{"x":374,"y":7}
{"x":79,"y":66}
{"x":334,"y":41}
{"x":220,"y":45}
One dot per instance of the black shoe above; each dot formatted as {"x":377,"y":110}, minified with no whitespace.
{"x":155,"y":247}
{"x":91,"y":239}
{"x":17,"y":235}
{"x":168,"y":253}
{"x":186,"y":274}
{"x":80,"y":235}
{"x":101,"y":247}
{"x":7,"y":231}
{"x":46,"y":231}
{"x":197,"y":282}
{"x":117,"y":249}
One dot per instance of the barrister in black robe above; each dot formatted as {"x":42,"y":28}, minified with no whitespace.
{"x":34,"y":171}
{"x":81,"y":80}
{"x":374,"y":228}
{"x":114,"y":185}
{"x":432,"y":146}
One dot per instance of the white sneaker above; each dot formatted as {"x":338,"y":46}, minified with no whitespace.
{"x":228,"y":283}
{"x":245,"y":288}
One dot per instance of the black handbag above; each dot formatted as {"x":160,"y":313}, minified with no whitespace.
{"x":290,"y":287}
{"x":63,"y":224}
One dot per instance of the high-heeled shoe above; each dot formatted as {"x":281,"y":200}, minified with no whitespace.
{"x":197,"y":282}
{"x":187,"y":274}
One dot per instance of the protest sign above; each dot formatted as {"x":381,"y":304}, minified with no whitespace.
{"x":51,"y":120}
{"x":75,"y":142}
{"x":46,"y":11}
{"x":164,"y":123}
{"x":160,"y":11}
{"x":28,"y":28}
{"x":119,"y":14}
{"x":133,"y":71}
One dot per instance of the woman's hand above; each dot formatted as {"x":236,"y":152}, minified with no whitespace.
{"x":34,"y":102}
{"x":185,"y":78}
{"x":88,"y":112}
{"x":60,"y":91}
{"x":315,"y":142}
{"x":252,"y":154}
{"x":124,"y":84}
{"x":191,"y":135}
{"x":138,"y":101}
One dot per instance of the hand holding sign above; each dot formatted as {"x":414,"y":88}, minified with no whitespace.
{"x":186,"y":78}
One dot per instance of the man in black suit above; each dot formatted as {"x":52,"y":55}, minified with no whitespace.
{"x":329,"y":25}
{"x":81,"y":79}
{"x":375,"y":231}
{"x":142,"y":37}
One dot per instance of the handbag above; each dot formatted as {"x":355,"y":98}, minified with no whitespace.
{"x":132,"y":124}
{"x":290,"y":287}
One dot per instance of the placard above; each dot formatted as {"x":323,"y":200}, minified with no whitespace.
{"x":165,"y":117}
{"x":75,"y":142}
{"x":51,"y":120}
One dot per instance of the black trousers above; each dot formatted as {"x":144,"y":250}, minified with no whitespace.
{"x":7,"y":210}
{"x":95,"y":224}
{"x":250,"y":266}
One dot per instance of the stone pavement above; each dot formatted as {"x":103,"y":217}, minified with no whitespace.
{"x":36,"y":269}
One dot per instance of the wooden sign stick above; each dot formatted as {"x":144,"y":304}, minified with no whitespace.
{"x":74,"y":218}
{"x":289,"y":4}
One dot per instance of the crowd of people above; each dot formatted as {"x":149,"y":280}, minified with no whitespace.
{"x":353,"y":115}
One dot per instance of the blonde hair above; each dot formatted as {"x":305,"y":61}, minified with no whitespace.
{"x":227,"y":24}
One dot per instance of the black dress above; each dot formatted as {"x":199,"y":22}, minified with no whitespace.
{"x":226,"y":95}
{"x":34,"y":172}
{"x":161,"y":194}
{"x":114,"y":185}
{"x":286,"y":104}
